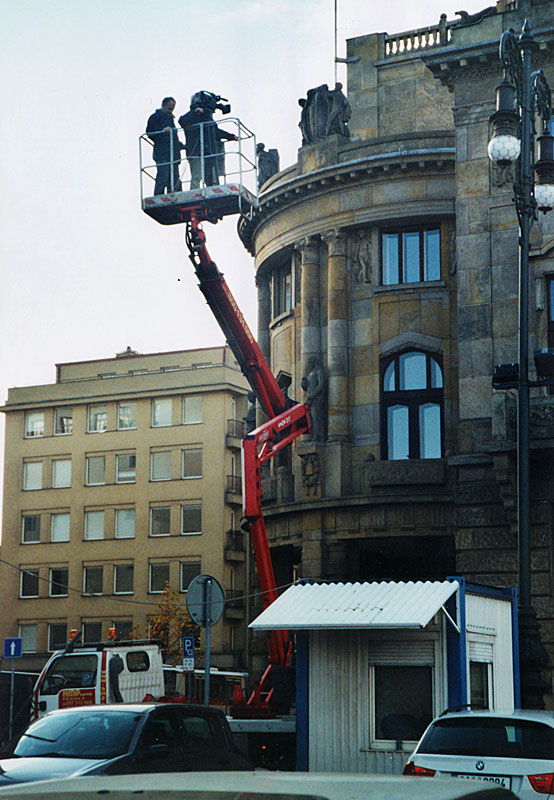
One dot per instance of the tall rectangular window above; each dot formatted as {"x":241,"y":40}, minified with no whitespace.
{"x":32,"y":475}
{"x":403,"y":701}
{"x":192,"y":409}
{"x":28,"y":634}
{"x":410,"y":256}
{"x":94,"y":525}
{"x":161,"y":412}
{"x":29,"y":582}
{"x":97,"y":418}
{"x":93,"y":578}
{"x":160,"y":468}
{"x":96,"y":470}
{"x":126,"y":468}
{"x":123,"y":578}
{"x":192,"y":463}
{"x":30,"y":528}
{"x":282,"y":291}
{"x":124,"y":523}
{"x":126,"y":416}
{"x":191,"y":519}
{"x":124,"y":628}
{"x":34,"y":423}
{"x":92,"y":632}
{"x":58,"y":582}
{"x":57,"y":635}
{"x":160,"y":521}
{"x":61,"y":473}
{"x":63,"y":423}
{"x":60,"y":527}
{"x":159,"y":577}
{"x":189,"y":570}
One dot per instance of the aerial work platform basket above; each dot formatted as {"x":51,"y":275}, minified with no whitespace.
{"x":222,"y":182}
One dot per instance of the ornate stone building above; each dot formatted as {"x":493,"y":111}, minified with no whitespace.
{"x":386,"y":266}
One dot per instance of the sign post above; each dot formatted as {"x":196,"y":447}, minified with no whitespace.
{"x":12,"y":649}
{"x":205,"y":604}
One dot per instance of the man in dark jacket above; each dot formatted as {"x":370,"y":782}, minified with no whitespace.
{"x":167,"y":147}
{"x":204,"y":140}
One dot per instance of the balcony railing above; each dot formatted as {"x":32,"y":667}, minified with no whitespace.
{"x":235,"y":540}
{"x":234,"y":484}
{"x":235,"y":427}
{"x":234,"y":598}
{"x":420,"y":39}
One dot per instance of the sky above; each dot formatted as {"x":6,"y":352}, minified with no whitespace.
{"x":85,"y":273}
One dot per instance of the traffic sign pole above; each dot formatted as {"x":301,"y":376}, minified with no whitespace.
{"x":12,"y":650}
{"x":208,"y":613}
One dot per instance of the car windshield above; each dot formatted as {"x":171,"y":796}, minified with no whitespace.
{"x":489,"y":736}
{"x":79,"y":735}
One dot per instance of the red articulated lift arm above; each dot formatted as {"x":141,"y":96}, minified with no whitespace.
{"x":288,"y":420}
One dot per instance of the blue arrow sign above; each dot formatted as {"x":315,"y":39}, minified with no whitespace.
{"x":12,"y":647}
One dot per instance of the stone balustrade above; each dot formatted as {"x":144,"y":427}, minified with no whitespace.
{"x":422,"y":38}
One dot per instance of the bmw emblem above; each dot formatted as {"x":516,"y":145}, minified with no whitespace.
{"x":480,"y":765}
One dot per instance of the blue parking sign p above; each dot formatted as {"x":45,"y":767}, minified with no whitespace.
{"x":188,"y":653}
{"x":12,"y":647}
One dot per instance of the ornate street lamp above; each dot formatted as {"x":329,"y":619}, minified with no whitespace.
{"x":517,"y":103}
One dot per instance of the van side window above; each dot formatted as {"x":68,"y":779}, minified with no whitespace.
{"x":138,"y":661}
{"x":70,"y":672}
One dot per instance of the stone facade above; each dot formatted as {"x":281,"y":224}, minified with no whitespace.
{"x":416,"y":163}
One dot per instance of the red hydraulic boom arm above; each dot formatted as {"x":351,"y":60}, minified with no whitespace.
{"x":288,"y":420}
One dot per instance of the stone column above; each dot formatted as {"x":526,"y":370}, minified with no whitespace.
{"x":338,"y":473}
{"x":310,"y":300}
{"x":263,"y":283}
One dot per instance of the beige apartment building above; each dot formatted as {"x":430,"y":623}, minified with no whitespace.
{"x":121,"y":476}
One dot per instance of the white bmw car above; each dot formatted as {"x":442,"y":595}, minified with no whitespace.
{"x":513,"y":749}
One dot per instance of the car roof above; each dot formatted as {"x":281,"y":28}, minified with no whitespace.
{"x":546,"y":717}
{"x":226,"y":786}
{"x":135,"y":708}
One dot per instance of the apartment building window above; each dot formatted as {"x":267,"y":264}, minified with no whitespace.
{"x":159,"y":577}
{"x":30,"y":528}
{"x":92,"y":632}
{"x":282,"y":290}
{"x":124,"y":523}
{"x":160,"y":521}
{"x":61,"y":473}
{"x":411,"y":406}
{"x":63,"y":421}
{"x":126,"y":468}
{"x":60,"y":527}
{"x":32,"y":475}
{"x":162,"y":412}
{"x":96,"y":470}
{"x":191,"y":519}
{"x":189,"y":570}
{"x":123,"y":576}
{"x":28,"y":633}
{"x":29,"y":582}
{"x":57,"y":635}
{"x":93,"y":580}
{"x":124,"y":628}
{"x":97,"y":418}
{"x":160,"y":466}
{"x":410,"y":256}
{"x":58,"y":581}
{"x":192,"y":463}
{"x":192,"y":409}
{"x":34,"y":423}
{"x":126,"y":416}
{"x":94,"y":525}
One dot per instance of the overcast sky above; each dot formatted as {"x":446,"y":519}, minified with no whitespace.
{"x":84,"y":272}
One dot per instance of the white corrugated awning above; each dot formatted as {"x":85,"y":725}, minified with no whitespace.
{"x":381,"y":604}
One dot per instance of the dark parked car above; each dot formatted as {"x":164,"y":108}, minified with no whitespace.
{"x":123,"y":739}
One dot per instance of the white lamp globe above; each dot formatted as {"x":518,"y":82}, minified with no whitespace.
{"x":544,"y":195}
{"x":504,"y":149}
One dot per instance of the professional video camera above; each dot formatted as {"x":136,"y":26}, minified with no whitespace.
{"x":210,"y":102}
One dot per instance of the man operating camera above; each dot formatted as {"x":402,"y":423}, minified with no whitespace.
{"x":204,"y":139}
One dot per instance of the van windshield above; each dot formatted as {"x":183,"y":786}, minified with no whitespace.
{"x":79,"y":734}
{"x":70,"y":672}
{"x":489,"y":736}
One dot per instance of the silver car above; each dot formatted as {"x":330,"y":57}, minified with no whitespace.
{"x":513,"y":749}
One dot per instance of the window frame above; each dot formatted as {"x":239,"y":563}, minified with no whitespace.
{"x":90,"y":409}
{"x":190,"y":506}
{"x":161,"y":400}
{"x":119,"y":514}
{"x":282,"y":299}
{"x":52,"y":582}
{"x":116,"y":568}
{"x":31,"y":572}
{"x":184,"y":415}
{"x":54,"y":644}
{"x":56,"y":515}
{"x":26,"y":465}
{"x":55,"y":462}
{"x":59,"y":413}
{"x":159,"y":508}
{"x":183,"y":458}
{"x":400,"y":232}
{"x":153,"y":455}
{"x":118,"y":477}
{"x":29,"y":429}
{"x":183,"y":564}
{"x":25,"y":517}
{"x":151,"y":568}
{"x":88,"y":459}
{"x":24,"y":646}
{"x":86,"y":569}
{"x":413,"y":400}
{"x":130,"y":404}
{"x":88,"y":517}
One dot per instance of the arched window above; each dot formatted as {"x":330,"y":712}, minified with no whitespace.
{"x":411,"y":406}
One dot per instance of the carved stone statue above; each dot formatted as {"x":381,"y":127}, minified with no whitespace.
{"x":473,"y":19}
{"x":250,"y":418}
{"x":268,"y":163}
{"x":324,"y":113}
{"x":313,"y":383}
{"x":362,"y":257}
